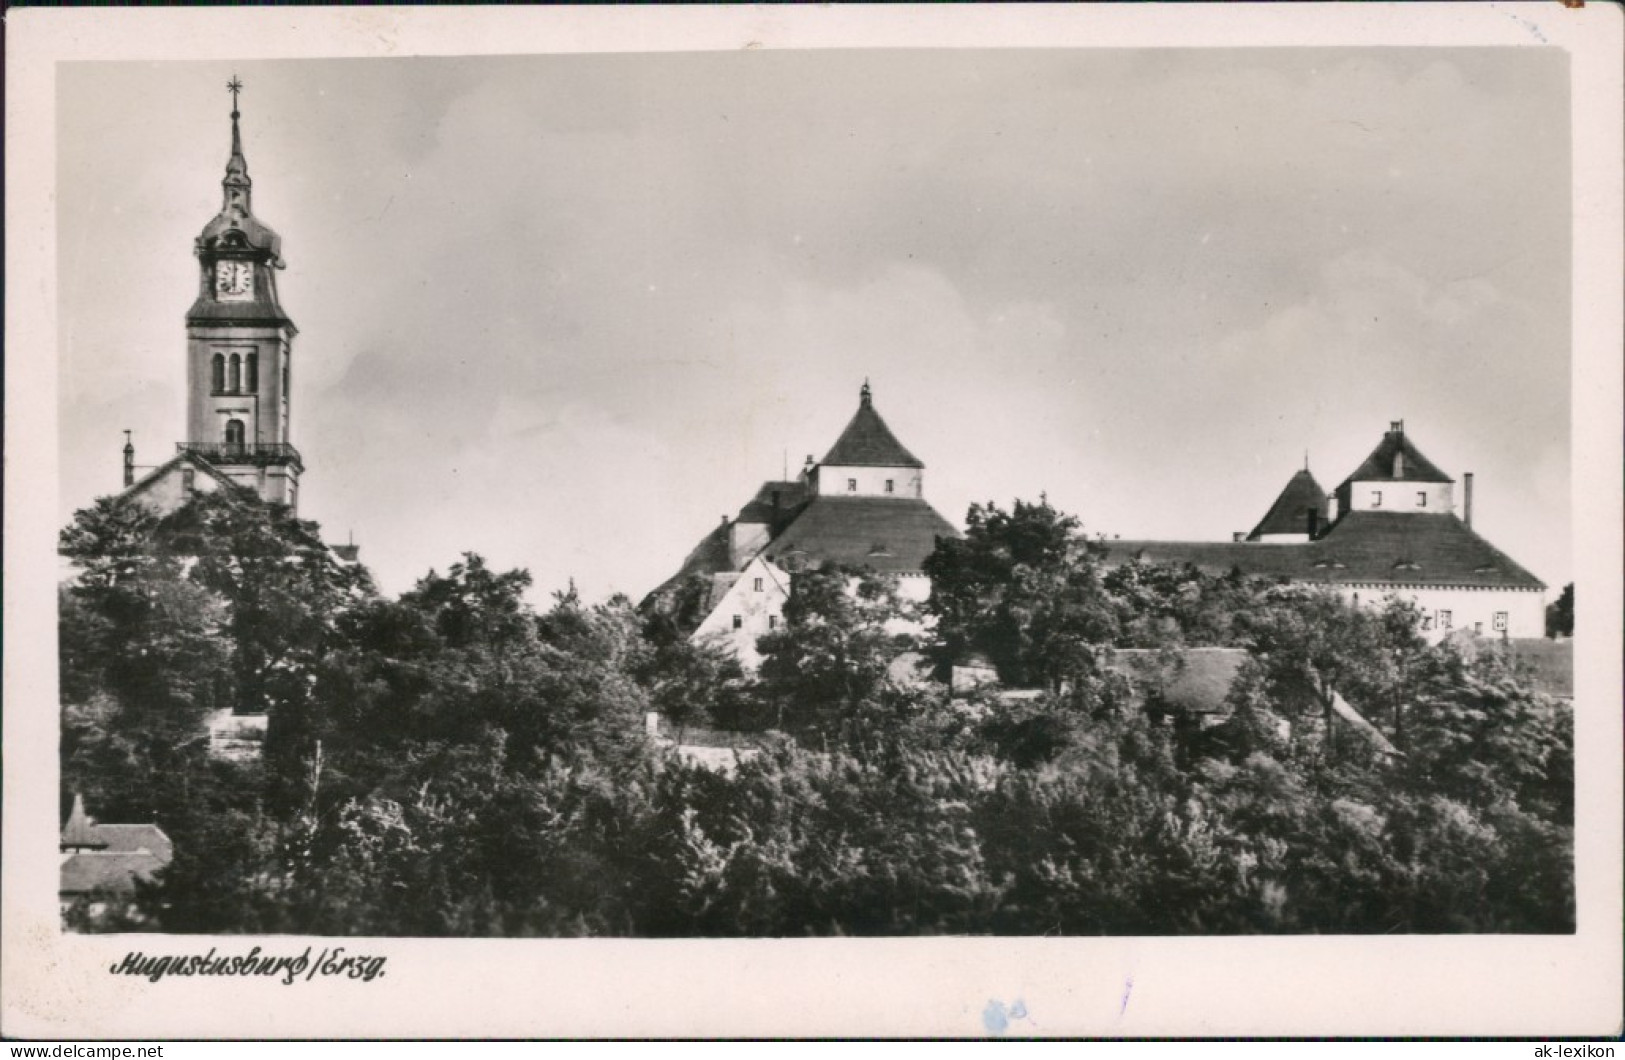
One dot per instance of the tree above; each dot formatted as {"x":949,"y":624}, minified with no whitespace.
{"x":1022,"y":588}
{"x":1560,"y":614}
{"x":825,"y":670}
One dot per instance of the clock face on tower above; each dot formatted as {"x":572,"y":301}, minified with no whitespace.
{"x":233,"y":280}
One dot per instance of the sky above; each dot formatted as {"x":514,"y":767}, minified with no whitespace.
{"x":567,"y":311}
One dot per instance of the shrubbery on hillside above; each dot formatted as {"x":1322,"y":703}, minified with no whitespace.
{"x":455,"y":762}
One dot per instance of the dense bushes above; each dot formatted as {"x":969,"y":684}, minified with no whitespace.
{"x":456,"y":763}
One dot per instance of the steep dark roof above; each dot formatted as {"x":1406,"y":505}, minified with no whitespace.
{"x":762,"y":509}
{"x":1289,"y":513}
{"x":1410,"y":549}
{"x":1381,"y":548}
{"x":1379,"y":466}
{"x":885,"y":534}
{"x":868,"y":442}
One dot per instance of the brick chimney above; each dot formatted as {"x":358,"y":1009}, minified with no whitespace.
{"x":129,"y":461}
{"x":1467,"y":498}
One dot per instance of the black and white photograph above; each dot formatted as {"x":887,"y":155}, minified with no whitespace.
{"x":1019,"y":492}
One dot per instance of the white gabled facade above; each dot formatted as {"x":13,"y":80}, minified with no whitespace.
{"x":749,"y":609}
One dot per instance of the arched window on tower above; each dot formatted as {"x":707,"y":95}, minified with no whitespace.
{"x":218,"y":379}
{"x":234,"y":434}
{"x":235,"y":377}
{"x":251,"y":373}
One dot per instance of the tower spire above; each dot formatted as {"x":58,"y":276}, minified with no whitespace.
{"x":865,"y":394}
{"x":237,"y":166}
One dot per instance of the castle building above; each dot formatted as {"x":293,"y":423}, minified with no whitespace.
{"x":863,"y":506}
{"x":239,"y":362}
{"x":1391,"y":528}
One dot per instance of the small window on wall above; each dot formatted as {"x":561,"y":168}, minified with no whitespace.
{"x":217,"y":379}
{"x":772,"y":621}
{"x":1444,"y":620}
{"x":1422,"y":499}
{"x":888,"y":485}
{"x":758,"y":585}
{"x":188,"y":479}
{"x":851,"y":485}
{"x":738,"y":622}
{"x":1499,"y":622}
{"x":1356,"y":599}
{"x":1376,"y":498}
{"x":234,"y":433}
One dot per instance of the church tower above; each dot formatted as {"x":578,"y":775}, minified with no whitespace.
{"x":239,"y":344}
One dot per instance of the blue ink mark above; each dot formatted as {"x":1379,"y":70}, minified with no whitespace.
{"x":1128,"y":988}
{"x":996,"y":1017}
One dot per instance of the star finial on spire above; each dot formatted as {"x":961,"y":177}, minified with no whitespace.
{"x":234,"y":86}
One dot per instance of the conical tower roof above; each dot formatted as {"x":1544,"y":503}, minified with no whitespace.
{"x":79,"y":832}
{"x":1411,"y":465}
{"x":1290,"y":512}
{"x":868,"y":442}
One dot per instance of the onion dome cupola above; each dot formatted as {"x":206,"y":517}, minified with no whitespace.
{"x":236,"y":251}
